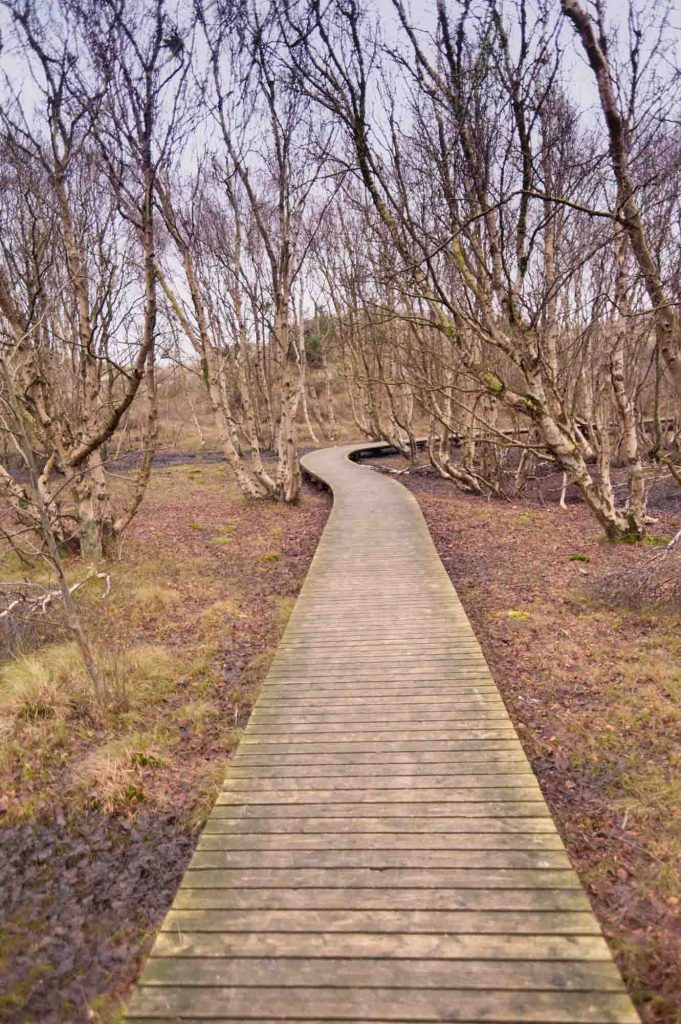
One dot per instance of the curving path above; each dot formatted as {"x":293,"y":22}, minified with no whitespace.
{"x":380,"y":850}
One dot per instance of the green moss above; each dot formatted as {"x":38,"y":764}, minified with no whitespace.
{"x":142,"y":760}
{"x":493,"y":383}
{"x":105,"y":1009}
{"x":228,"y":528}
{"x":285,"y":606}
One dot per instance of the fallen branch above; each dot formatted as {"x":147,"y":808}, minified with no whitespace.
{"x":41,"y":602}
{"x":654,"y":579}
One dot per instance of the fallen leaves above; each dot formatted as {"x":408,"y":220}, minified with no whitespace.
{"x":595,"y":696}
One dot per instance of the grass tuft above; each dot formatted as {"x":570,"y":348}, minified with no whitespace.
{"x":110,"y":777}
{"x":52,"y":682}
{"x":44,"y":684}
{"x":213,"y":617}
{"x":151,"y":597}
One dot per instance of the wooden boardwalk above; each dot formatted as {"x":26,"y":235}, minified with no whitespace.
{"x":380,"y":850}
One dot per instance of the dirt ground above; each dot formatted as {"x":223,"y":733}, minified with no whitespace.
{"x":99,"y":814}
{"x":595,"y":693}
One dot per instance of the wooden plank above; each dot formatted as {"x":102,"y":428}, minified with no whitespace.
{"x":535,"y":860}
{"x":380,"y":878}
{"x":314,"y":774}
{"x":374,"y":899}
{"x":446,"y":794}
{"x":222,"y":820}
{"x":447,"y":697}
{"x":477,"y":779}
{"x":401,"y":922}
{"x":462,"y":671}
{"x":270,"y":705}
{"x":294,"y":723}
{"x":199,"y":969}
{"x":446,"y":669}
{"x":346,"y":661}
{"x":483,"y":809}
{"x":359,"y":772}
{"x":473,"y":752}
{"x":356,"y":683}
{"x":370,"y":945}
{"x":386,"y":843}
{"x":356,"y":705}
{"x":399,"y":733}
{"x":376,"y":1004}
{"x":380,"y":693}
{"x":378,"y":740}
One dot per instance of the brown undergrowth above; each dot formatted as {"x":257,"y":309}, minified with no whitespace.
{"x":100,"y":808}
{"x":595,"y":693}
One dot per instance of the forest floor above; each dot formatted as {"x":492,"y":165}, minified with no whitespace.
{"x":99,"y":812}
{"x":595,"y":693}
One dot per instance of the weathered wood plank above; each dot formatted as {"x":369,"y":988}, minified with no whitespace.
{"x":201,"y":969}
{"x":370,"y":945}
{"x":284,"y":799}
{"x":376,"y":1004}
{"x":221,"y":820}
{"x":357,"y":694}
{"x":401,"y":922}
{"x":484,"y":809}
{"x":294,"y":723}
{"x":269,"y":706}
{"x":474,"y":739}
{"x":535,"y":860}
{"x":473,"y":752}
{"x":380,"y":899}
{"x":391,"y":842}
{"x":380,"y":878}
{"x":512,"y":764}
{"x":380,"y":783}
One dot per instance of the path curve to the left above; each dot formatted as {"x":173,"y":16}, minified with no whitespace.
{"x":381,"y":850}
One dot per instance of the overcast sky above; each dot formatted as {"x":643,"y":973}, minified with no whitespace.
{"x":577,"y":75}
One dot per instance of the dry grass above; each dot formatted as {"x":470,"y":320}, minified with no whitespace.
{"x":111,"y":776}
{"x":182,"y":641}
{"x":52,"y":682}
{"x":48,"y":711}
{"x":218,"y":613}
{"x":152,"y":597}
{"x":43,"y":685}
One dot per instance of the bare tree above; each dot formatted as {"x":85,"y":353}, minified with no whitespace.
{"x":619,"y":122}
{"x":78,"y":271}
{"x":490,"y":197}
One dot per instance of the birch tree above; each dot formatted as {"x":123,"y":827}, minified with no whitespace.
{"x":461,"y":168}
{"x":77,"y":277}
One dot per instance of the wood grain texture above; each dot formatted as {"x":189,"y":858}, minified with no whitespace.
{"x":380,"y":850}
